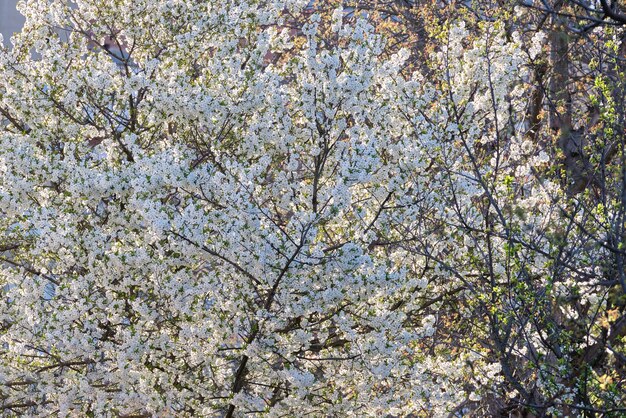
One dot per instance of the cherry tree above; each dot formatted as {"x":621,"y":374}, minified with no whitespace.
{"x":207,"y":214}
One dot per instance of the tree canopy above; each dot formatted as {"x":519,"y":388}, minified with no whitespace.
{"x":294,"y":208}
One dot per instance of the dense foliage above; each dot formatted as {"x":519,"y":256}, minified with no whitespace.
{"x":280,"y":209}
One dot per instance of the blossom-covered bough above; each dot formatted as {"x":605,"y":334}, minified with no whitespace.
{"x":231,"y":218}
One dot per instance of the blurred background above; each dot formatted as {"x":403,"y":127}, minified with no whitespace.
{"x":10,"y":20}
